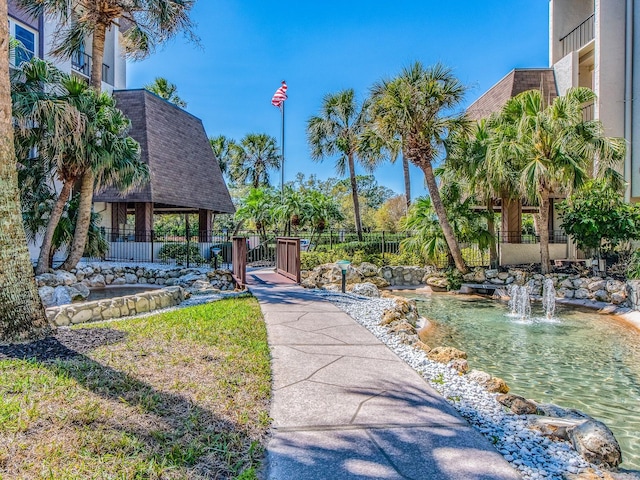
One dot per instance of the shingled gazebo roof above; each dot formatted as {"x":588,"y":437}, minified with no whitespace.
{"x":184,"y":170}
{"x":516,"y":81}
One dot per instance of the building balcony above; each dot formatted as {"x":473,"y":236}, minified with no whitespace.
{"x":81,"y":63}
{"x":579,"y":36}
{"x":588,"y":112}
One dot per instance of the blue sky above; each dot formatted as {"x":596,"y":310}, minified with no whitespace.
{"x":248,"y":46}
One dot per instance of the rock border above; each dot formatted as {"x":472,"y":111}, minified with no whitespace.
{"x":119,"y":307}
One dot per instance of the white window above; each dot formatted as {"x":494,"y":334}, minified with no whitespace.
{"x":28,"y":39}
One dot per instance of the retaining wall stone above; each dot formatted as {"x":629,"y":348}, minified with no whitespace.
{"x":115,"y":308}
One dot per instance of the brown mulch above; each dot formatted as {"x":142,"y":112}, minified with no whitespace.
{"x":65,"y":343}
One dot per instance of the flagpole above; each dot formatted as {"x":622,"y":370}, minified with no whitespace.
{"x":282,"y":145}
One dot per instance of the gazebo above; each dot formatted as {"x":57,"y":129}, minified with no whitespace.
{"x":516,"y":81}
{"x":184,"y":174}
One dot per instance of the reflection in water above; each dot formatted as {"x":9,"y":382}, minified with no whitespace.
{"x":576,"y":359}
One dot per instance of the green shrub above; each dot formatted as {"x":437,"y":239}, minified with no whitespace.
{"x":404,"y":258}
{"x":178,"y":252}
{"x":633,"y":270}
{"x":454,"y":277}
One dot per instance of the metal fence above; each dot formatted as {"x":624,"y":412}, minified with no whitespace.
{"x":216,"y":247}
{"x":555,"y":236}
{"x":579,"y":36}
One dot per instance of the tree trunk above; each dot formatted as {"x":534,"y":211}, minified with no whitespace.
{"x":438,"y":206}
{"x":491,"y":226}
{"x":354,"y":194}
{"x":407,"y":180}
{"x":97,"y":55}
{"x":44,"y":260}
{"x":83,"y":221}
{"x":22,"y":316}
{"x":543,"y":231}
{"x":86,"y":188}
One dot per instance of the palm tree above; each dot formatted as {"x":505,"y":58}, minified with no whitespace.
{"x":486,"y":177}
{"x":378,"y":141}
{"x":339,"y":130}
{"x":37,"y":92}
{"x":96,"y":140}
{"x":253,"y":157}
{"x":112,"y":157}
{"x":22,"y":315}
{"x":150,"y":22}
{"x":259,"y":207}
{"x":322,"y":210}
{"x":416,"y":106}
{"x":292,"y":210}
{"x":167,"y":90}
{"x":223,"y":149}
{"x":555,"y":149}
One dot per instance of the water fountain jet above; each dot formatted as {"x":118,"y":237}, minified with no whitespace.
{"x":520,"y":301}
{"x":549,"y":298}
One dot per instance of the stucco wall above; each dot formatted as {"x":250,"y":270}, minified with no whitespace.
{"x":518,"y":253}
{"x":564,"y":16}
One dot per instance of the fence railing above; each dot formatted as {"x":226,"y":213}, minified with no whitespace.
{"x":555,"y":236}
{"x":199,"y":248}
{"x":288,"y":257}
{"x":579,"y":36}
{"x":81,"y":63}
{"x":589,"y":112}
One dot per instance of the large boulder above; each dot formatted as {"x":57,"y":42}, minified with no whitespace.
{"x":65,"y":278}
{"x":595,"y":442}
{"x":460,"y":365}
{"x":552,"y":427}
{"x":64,"y":295}
{"x":97,"y":281}
{"x":189,"y":278}
{"x":552,"y":410}
{"x":378,"y":282}
{"x":438,"y":284}
{"x":368,"y":269}
{"x":491,"y":384}
{"x":82,"y":290}
{"x":47,"y":280}
{"x":518,"y":405}
{"x":47,"y":295}
{"x":445,"y":354}
{"x":496,"y":385}
{"x":365,"y":289}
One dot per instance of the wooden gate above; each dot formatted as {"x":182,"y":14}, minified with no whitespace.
{"x":288,"y":257}
{"x":239,"y":260}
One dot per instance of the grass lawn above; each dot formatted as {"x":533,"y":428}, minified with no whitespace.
{"x":176,"y":395}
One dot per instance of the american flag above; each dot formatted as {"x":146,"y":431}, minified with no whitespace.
{"x":280,"y":96}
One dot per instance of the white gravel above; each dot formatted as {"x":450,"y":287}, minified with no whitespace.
{"x":532,"y":454}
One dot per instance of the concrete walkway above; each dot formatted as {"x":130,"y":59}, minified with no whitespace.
{"x":345,"y":407}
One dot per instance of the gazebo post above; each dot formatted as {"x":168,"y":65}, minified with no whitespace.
{"x":144,"y":221}
{"x":204,"y":226}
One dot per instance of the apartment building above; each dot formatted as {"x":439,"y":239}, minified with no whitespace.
{"x":185,"y":175}
{"x":37,"y":36}
{"x":592,"y":44}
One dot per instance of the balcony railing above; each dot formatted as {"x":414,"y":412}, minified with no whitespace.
{"x":588,"y":112}
{"x":579,"y":36}
{"x":81,"y":63}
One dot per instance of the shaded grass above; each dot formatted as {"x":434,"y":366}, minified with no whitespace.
{"x":184,"y":395}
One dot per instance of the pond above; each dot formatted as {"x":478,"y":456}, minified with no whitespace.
{"x":115,"y":292}
{"x":577,"y":359}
